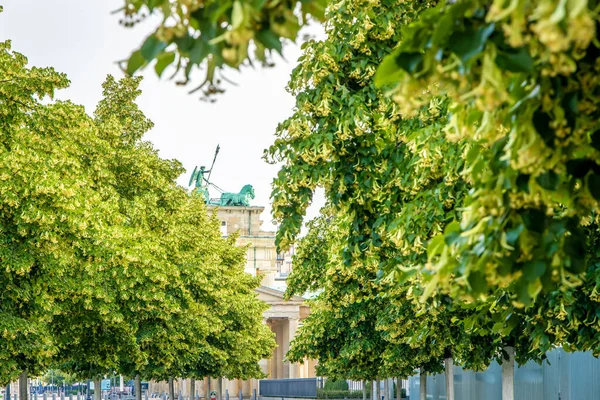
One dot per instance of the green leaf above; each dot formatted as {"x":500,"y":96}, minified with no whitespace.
{"x":470,"y":42}
{"x":513,"y":234}
{"x":477,"y":282}
{"x":269,"y":40}
{"x":442,"y":29}
{"x":184,"y":43}
{"x":258,"y":4}
{"x":452,"y":233}
{"x":498,"y":326}
{"x":136,"y":60}
{"x":199,"y":51}
{"x":522,"y":291}
{"x":511,"y":323}
{"x":570,"y":104}
{"x":549,"y":180}
{"x":237,"y":15}
{"x":410,"y":62}
{"x":515,"y":61}
{"x":435,"y":245}
{"x":152,"y":47}
{"x":388,"y":71}
{"x":534,"y":269}
{"x":163,"y":61}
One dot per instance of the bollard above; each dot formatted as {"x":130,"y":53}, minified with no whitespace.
{"x":53,"y":396}
{"x":226,"y":394}
{"x":241,"y":395}
{"x":254,"y":393}
{"x":44,"y":396}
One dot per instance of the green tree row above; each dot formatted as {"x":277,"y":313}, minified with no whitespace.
{"x":458,"y":146}
{"x":107,"y":264}
{"x":451,"y":234}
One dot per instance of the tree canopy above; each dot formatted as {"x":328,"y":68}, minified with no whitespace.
{"x":520,"y":79}
{"x":109,"y":265}
{"x":53,"y":215}
{"x":422,"y":175}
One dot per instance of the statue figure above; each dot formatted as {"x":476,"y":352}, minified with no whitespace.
{"x":238,"y":199}
{"x":201,"y":184}
{"x":197,"y":178}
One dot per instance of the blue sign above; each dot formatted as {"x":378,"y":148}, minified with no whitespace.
{"x":105,"y":384}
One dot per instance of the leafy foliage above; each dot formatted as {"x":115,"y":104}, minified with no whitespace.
{"x":521,"y":78}
{"x":108,"y":265}
{"x":363,"y":328}
{"x":179,"y":299}
{"x":53,"y":216}
{"x":340,"y":330}
{"x":400,"y":184}
{"x":332,"y":384}
{"x":215,"y":35}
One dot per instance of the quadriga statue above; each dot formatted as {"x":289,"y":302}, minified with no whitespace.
{"x":238,"y":199}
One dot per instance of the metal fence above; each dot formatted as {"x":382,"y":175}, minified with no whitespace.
{"x":310,"y":387}
{"x":302,"y":387}
{"x":566,"y":376}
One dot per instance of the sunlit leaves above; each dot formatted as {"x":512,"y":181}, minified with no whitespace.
{"x":109,"y":265}
{"x":521,"y":94}
{"x":213,"y":35}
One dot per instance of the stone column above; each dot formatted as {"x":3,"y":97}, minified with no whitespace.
{"x":291,"y":331}
{"x":277,"y":363}
{"x":283,"y":365}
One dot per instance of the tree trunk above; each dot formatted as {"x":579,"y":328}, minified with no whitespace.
{"x":422,"y":386}
{"x":398,"y":389}
{"x":220,"y":389}
{"x":171,"y":389}
{"x":208,"y":388}
{"x":192,"y":389}
{"x":137,"y":386}
{"x":364,"y":390}
{"x":97,"y":389}
{"x":508,"y":374}
{"x":23,"y":386}
{"x":386,"y":389}
{"x":378,"y":391}
{"x":449,"y":367}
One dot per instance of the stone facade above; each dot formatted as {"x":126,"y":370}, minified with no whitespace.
{"x":261,"y":252}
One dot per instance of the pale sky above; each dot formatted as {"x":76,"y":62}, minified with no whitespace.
{"x":83,"y":40}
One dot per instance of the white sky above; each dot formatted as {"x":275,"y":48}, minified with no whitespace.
{"x":83,"y":40}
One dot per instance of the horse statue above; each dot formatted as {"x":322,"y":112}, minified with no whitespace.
{"x":238,"y":199}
